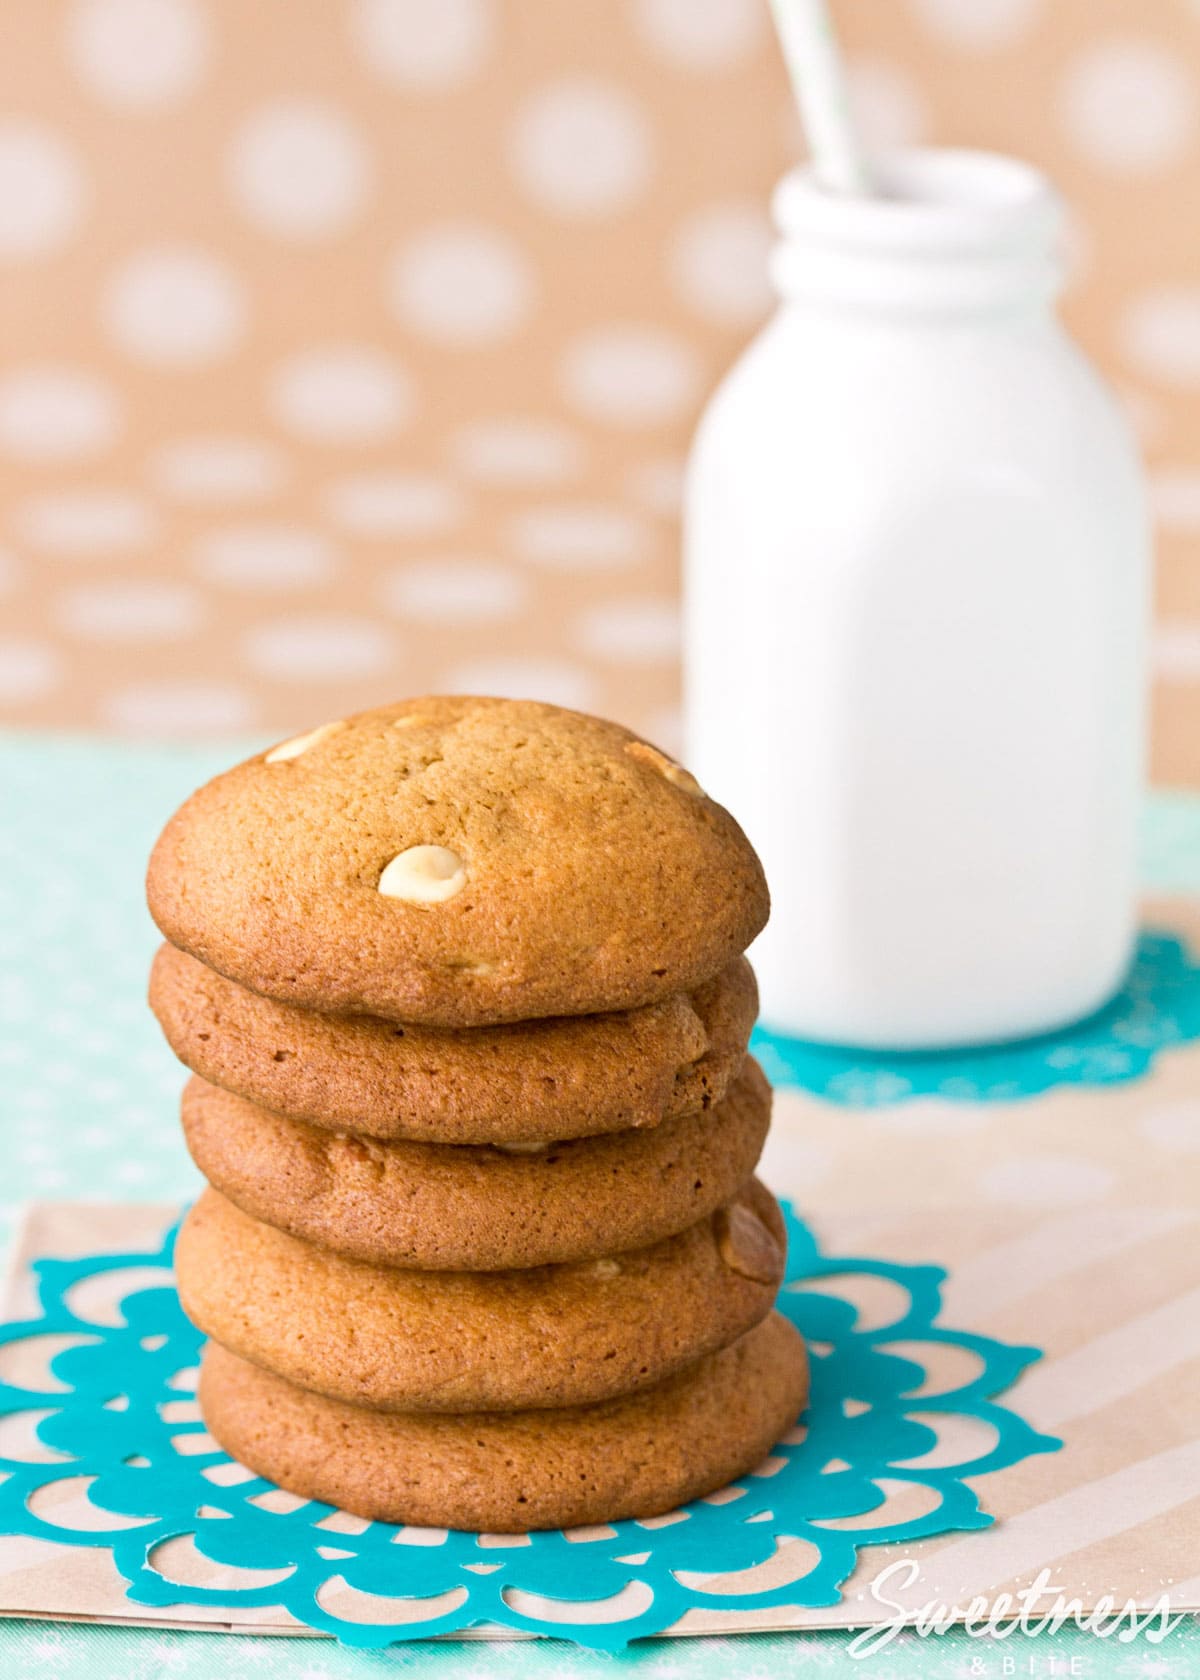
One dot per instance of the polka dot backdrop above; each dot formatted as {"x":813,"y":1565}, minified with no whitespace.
{"x":361,"y":356}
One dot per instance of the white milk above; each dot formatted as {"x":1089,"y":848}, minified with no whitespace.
{"x":916,"y":583}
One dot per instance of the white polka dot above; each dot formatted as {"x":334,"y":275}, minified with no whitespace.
{"x":461,"y":284}
{"x":1076,"y":246}
{"x":81,"y":523}
{"x":174,"y":306}
{"x":453,"y":591}
{"x":630,"y":375}
{"x":581,"y":148}
{"x":518,"y":452}
{"x":1175,"y":498}
{"x":792,"y":1163}
{"x":521,"y":677}
{"x":423,"y":44}
{"x":981,"y":25}
{"x":265,"y":556}
{"x":138,"y":53}
{"x":641,"y":631}
{"x":55,"y":413}
{"x":707,"y":36}
{"x":137,"y":610}
{"x":937,"y":1116}
{"x":718,"y":264}
{"x":179,"y":708}
{"x":1160,"y":335}
{"x":1047,"y":1181}
{"x":218,"y":469}
{"x":389,"y":504}
{"x":1176,"y":651}
{"x":1176,"y":1128}
{"x":573,"y":537}
{"x":658,"y":484}
{"x":299,"y":169}
{"x":346,"y":393}
{"x":28,"y":669}
{"x":41,"y":190}
{"x":1128,"y":106}
{"x":321,"y":648}
{"x":888,"y":109}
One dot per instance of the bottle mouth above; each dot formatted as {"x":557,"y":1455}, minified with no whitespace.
{"x":929,"y":200}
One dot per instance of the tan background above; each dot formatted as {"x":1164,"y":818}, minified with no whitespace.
{"x":351,"y":347}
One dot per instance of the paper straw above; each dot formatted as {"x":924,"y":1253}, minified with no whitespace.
{"x":814,"y":63}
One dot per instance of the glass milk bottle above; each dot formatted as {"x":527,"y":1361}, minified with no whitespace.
{"x":916,"y":579}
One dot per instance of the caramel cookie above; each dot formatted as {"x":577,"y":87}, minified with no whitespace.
{"x":505,"y":1473}
{"x":478,"y":1341}
{"x":471,"y":1207}
{"x":565,"y":1077}
{"x":459,"y":862}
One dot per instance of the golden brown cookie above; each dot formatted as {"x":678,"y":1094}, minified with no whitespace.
{"x":569,"y":1076}
{"x":472,"y":1207}
{"x":459,"y":862}
{"x":478,"y":1341}
{"x":504,"y":1473}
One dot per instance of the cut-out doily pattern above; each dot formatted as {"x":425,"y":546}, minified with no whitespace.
{"x":114,"y":1454}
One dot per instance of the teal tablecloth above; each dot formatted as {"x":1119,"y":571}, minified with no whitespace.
{"x":88,"y":1110}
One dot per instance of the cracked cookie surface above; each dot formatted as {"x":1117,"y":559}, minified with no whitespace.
{"x":507,"y":1472}
{"x":459,"y":862}
{"x":568,"y":1076}
{"x":477,"y":1207}
{"x":450,"y":1341}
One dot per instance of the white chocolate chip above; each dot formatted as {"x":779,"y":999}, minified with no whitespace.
{"x":683,"y":779}
{"x":301,"y":743}
{"x":745,"y":1244}
{"x":666,"y":767}
{"x":521,"y":1148}
{"x":424,"y":875}
{"x":606,"y":1268}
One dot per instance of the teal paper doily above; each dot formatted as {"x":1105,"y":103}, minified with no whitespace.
{"x":1157,"y":1007}
{"x":109,"y":1420}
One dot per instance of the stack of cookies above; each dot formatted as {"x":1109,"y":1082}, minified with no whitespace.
{"x":460,"y":982}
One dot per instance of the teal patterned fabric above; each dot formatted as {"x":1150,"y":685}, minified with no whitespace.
{"x":45,"y":1651}
{"x":88,"y":1096}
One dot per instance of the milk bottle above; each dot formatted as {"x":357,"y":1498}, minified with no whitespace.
{"x":916,"y":581}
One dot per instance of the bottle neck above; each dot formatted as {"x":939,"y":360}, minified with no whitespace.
{"x":951,"y":233}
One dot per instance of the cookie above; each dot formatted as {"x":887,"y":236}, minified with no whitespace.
{"x":458,"y":863}
{"x":505,"y":1473}
{"x":565,"y":1077}
{"x":471,"y":1341}
{"x":477,"y":1208}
